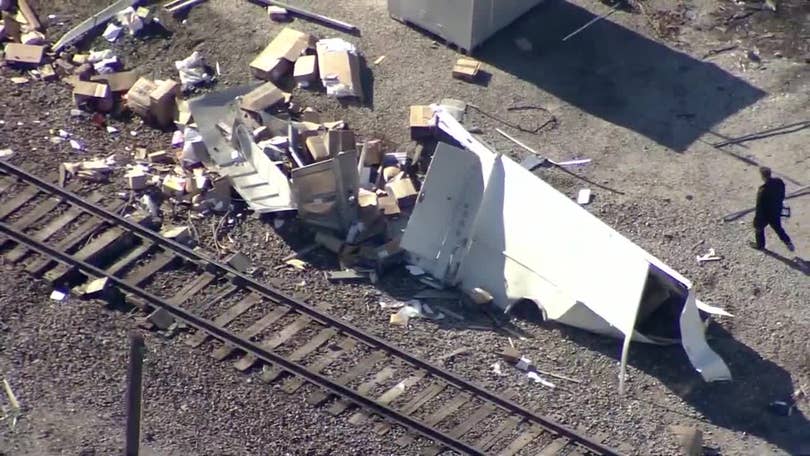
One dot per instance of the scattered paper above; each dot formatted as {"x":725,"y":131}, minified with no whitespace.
{"x":76,"y":144}
{"x":112,"y":32}
{"x":297,"y":264}
{"x":192,"y":70}
{"x":497,"y":369}
{"x":540,"y":380}
{"x":111,"y":129}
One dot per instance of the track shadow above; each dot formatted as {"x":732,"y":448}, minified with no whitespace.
{"x":741,"y":405}
{"x":619,"y":75}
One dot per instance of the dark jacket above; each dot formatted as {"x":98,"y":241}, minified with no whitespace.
{"x":770,"y":198}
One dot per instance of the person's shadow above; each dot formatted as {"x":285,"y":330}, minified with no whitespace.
{"x":796,"y":263}
{"x":742,"y":405}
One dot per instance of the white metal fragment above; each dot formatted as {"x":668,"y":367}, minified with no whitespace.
{"x":538,"y":379}
{"x":471,"y":228}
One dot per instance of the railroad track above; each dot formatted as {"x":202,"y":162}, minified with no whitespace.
{"x":54,"y":234}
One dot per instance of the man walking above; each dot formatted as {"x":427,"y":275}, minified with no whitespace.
{"x":770,"y":199}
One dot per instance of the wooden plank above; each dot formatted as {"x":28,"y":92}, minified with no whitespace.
{"x":226,"y":318}
{"x":554,"y":447}
{"x":51,"y":228}
{"x":521,"y":441}
{"x":257,"y":327}
{"x":507,"y":426}
{"x":479,"y":415}
{"x":344,"y":346}
{"x":358,"y":370}
{"x":274,"y":342}
{"x":193,"y":287}
{"x":382,"y":376}
{"x":321,"y":338}
{"x":389,"y":396}
{"x":413,"y":405}
{"x":79,"y":235}
{"x":90,"y":252}
{"x":131,"y":257}
{"x":155,"y":265}
{"x":440,"y":414}
{"x":16,"y":202}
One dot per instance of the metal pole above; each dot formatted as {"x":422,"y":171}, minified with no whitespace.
{"x":134,"y":393}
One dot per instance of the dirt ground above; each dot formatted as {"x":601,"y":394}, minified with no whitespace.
{"x":644,"y":94}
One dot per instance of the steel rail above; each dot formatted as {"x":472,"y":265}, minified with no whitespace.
{"x":243,"y":344}
{"x":266,"y":291}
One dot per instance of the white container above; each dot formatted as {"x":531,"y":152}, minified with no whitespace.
{"x":465,"y":23}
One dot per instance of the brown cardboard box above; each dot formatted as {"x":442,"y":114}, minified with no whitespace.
{"x":466,"y":69}
{"x":366,"y":198}
{"x":96,"y":95}
{"x":138,"y":97}
{"x":389,"y":205}
{"x":403,"y":190}
{"x":118,"y":82}
{"x":340,"y":72}
{"x":163,"y":105}
{"x":47,"y":72}
{"x":136,"y":180}
{"x":24,"y":53}
{"x":373,"y":153}
{"x":306,"y":70}
{"x":420,"y":122}
{"x":317,"y":148}
{"x":262,"y":97}
{"x":277,"y":58}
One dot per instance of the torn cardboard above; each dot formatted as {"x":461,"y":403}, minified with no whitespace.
{"x":339,"y":68}
{"x":277,"y":58}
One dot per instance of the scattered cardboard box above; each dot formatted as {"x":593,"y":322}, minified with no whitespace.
{"x":136,"y":180}
{"x":340,"y":141}
{"x":278,"y":13}
{"x":339,"y":68}
{"x":93,"y":94}
{"x":24,"y":53}
{"x":403,"y":190}
{"x":306,"y":70}
{"x":277,"y":58}
{"x":389,"y":205}
{"x":421,"y":122}
{"x":366,"y":198}
{"x":466,"y":69}
{"x":47,"y":73}
{"x":138,"y":99}
{"x":163,"y":101}
{"x":263,"y":97}
{"x":317,"y":148}
{"x":160,"y":156}
{"x":118,"y":82}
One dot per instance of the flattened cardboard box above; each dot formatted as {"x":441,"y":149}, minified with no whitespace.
{"x":118,"y":82}
{"x":262,"y":97}
{"x":466,"y":69}
{"x":97,"y":93}
{"x":342,"y":68}
{"x":24,"y":53}
{"x":277,"y":57}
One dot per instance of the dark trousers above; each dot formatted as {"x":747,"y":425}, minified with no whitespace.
{"x":776,"y":224}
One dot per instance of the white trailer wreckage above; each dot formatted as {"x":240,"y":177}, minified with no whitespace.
{"x":483,"y":221}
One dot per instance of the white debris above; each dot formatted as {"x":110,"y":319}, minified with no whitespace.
{"x":112,"y":32}
{"x":415,"y":270}
{"x":64,"y":134}
{"x":111,"y":130}
{"x":414,"y":309}
{"x":58,"y":295}
{"x":497,"y":369}
{"x":106,"y":66}
{"x":97,"y":56}
{"x":523,"y":363}
{"x":584,"y":196}
{"x":177,"y":138}
{"x":6,"y":153}
{"x":76,"y":144}
{"x":130,"y":19}
{"x":393,"y":305}
{"x":192,"y":70}
{"x":540,"y":380}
